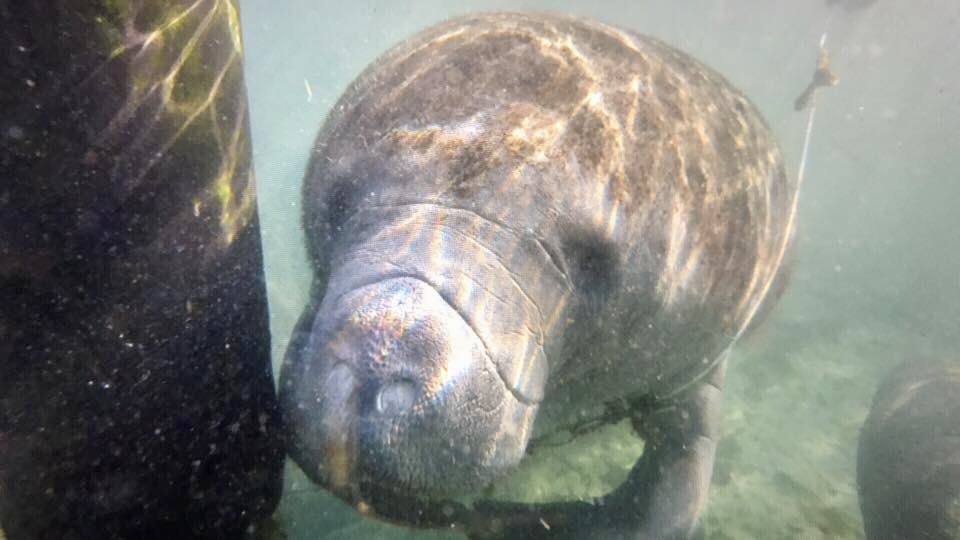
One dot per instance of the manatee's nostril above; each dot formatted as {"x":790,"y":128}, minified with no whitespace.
{"x":396,"y":397}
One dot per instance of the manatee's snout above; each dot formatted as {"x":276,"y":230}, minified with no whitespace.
{"x":393,"y":388}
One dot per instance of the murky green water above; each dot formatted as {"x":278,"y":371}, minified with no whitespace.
{"x":877,"y":280}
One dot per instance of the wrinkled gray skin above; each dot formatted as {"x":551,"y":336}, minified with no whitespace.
{"x":908,"y":465}
{"x":512,"y":218}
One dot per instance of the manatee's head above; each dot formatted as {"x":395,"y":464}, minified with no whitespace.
{"x":387,"y":386}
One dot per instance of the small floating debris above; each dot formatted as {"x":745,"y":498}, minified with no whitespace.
{"x":306,"y":85}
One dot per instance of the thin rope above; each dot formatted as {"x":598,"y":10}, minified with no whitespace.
{"x":788,"y":231}
{"x":806,"y":138}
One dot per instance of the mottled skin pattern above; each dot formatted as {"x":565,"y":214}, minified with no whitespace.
{"x":520,"y":214}
{"x":908,"y":466}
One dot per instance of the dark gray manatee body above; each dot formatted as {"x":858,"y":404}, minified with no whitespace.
{"x":908,"y":466}
{"x":512,"y":216}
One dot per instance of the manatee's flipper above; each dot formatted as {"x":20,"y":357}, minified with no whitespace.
{"x":136,"y":394}
{"x":673,"y":476}
{"x":662,"y":498}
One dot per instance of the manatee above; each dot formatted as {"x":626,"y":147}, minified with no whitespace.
{"x":136,"y":393}
{"x":908,"y":463}
{"x":513,"y":218}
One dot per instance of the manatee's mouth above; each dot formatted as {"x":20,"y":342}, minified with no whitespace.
{"x":392,"y":390}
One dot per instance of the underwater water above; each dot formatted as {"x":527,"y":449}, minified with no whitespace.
{"x":877,"y":276}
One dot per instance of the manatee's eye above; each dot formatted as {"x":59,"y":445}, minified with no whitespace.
{"x":592,"y":261}
{"x":341,"y":198}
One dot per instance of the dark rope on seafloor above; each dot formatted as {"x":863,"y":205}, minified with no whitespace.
{"x":614,"y":412}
